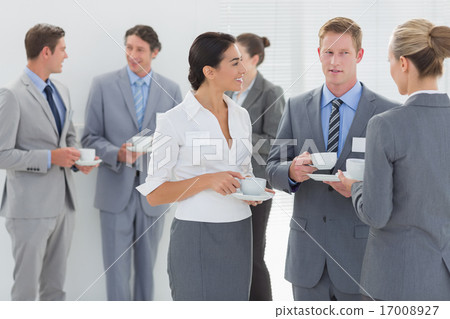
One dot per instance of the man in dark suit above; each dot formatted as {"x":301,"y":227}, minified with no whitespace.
{"x":327,"y":241}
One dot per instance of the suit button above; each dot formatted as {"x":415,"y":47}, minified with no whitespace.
{"x":330,"y":189}
{"x":324,"y":219}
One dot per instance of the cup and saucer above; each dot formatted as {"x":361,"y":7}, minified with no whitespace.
{"x":355,"y":169}
{"x":324,"y":161}
{"x":140,"y":144}
{"x":253,"y":189}
{"x":87,"y":157}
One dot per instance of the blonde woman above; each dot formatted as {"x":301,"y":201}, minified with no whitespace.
{"x":405,"y":197}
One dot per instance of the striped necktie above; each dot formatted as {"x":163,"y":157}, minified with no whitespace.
{"x":139,"y":101}
{"x":333,"y":128}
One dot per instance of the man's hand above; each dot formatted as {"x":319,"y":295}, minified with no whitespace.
{"x":126,"y":156}
{"x":65,"y":157}
{"x":300,"y":168}
{"x":87,"y":169}
{"x":344,"y":187}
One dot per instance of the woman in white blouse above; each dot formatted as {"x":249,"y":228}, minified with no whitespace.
{"x":405,"y":196}
{"x":201,"y":149}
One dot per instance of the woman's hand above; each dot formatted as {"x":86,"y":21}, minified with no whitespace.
{"x":224,"y":182}
{"x":255,"y":203}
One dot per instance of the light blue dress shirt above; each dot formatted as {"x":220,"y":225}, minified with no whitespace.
{"x":346,"y":111}
{"x":40,"y":85}
{"x":145,"y":87}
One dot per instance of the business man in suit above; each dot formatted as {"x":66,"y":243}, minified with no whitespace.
{"x":327,"y":241}
{"x":37,"y":149}
{"x":121,"y":104}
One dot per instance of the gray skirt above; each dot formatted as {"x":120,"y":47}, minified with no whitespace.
{"x":210,"y":261}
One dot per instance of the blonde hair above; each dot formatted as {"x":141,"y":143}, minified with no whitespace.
{"x":425,"y":44}
{"x":342,"y":25}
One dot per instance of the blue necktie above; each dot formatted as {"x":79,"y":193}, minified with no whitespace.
{"x":139,"y":101}
{"x":48,"y":91}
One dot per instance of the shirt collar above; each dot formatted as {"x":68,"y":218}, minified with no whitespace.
{"x":350,"y":98}
{"x":192,"y":106}
{"x":37,"y":81}
{"x":133,"y":77}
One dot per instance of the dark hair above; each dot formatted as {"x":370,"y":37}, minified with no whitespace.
{"x":254,"y":45}
{"x":40,"y":36}
{"x":147,"y":34}
{"x":207,"y":50}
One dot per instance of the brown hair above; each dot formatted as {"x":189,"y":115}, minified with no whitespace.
{"x":254,"y":45}
{"x":40,"y":36}
{"x":425,"y":44}
{"x":207,"y":50}
{"x":147,"y":34}
{"x":342,"y":25}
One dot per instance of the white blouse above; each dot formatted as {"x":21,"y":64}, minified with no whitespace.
{"x":189,"y":142}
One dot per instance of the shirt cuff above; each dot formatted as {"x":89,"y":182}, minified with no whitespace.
{"x":49,"y":160}
{"x":293,"y":185}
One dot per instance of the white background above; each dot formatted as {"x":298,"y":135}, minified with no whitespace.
{"x":94,"y":50}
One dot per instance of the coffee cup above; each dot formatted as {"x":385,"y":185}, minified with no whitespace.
{"x":325,"y":160}
{"x":355,"y":168}
{"x":253,"y":185}
{"x":87,"y":154}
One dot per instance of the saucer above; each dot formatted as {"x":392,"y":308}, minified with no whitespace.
{"x":88,"y":163}
{"x":324,"y":177}
{"x":262,"y":197}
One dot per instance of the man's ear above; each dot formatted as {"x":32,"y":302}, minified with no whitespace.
{"x":154,"y":53}
{"x":359,"y":55}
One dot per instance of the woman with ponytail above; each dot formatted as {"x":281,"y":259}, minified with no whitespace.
{"x":405,"y":196}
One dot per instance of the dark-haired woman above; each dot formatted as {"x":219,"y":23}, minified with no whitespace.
{"x":264,"y":102}
{"x":200,"y":151}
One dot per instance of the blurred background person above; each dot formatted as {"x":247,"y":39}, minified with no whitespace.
{"x":264,"y":102}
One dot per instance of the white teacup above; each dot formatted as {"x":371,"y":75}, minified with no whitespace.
{"x":87,"y":154}
{"x":253,"y":185}
{"x":355,"y":168}
{"x":325,"y":160}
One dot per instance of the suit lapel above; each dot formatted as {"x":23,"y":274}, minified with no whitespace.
{"x":125,"y":87}
{"x":153,"y":99}
{"x":315,"y":120}
{"x":31,"y":88}
{"x":366,"y":109}
{"x":254,"y":92}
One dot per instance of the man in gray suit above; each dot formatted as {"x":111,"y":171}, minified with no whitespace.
{"x":121,"y":104}
{"x":326,"y":241}
{"x":37,"y":149}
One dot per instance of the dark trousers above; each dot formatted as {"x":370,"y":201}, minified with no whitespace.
{"x":260,"y":288}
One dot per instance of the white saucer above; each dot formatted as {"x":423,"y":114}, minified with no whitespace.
{"x":262,"y":197}
{"x":324,"y":177}
{"x":88,"y":163}
{"x":139,"y":148}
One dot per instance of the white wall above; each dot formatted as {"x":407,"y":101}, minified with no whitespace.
{"x":92,"y":52}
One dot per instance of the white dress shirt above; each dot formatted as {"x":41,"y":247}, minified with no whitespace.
{"x":189,"y":142}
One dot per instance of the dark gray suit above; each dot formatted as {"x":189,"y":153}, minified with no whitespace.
{"x":265,"y":104}
{"x":110,"y":122}
{"x":407,"y":201}
{"x":38,"y":202}
{"x":325,"y":214}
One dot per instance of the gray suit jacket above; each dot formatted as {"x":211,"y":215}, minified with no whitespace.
{"x":110,"y":122}
{"x":407,"y":201}
{"x":28,"y":131}
{"x":325,"y":214}
{"x":265,"y":105}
